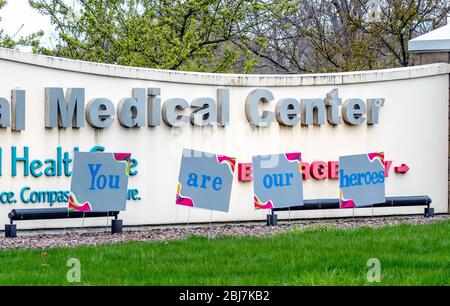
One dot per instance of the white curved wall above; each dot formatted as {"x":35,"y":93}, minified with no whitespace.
{"x":413,"y":128}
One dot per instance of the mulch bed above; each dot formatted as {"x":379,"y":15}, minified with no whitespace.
{"x":35,"y":239}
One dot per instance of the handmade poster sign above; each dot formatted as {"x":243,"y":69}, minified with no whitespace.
{"x":99,"y":181}
{"x":361,"y":180}
{"x":205,"y":180}
{"x":277,"y":180}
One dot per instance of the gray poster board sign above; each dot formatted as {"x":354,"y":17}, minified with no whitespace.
{"x":99,"y":181}
{"x":205,"y":180}
{"x":277,"y":181}
{"x":361,"y":180}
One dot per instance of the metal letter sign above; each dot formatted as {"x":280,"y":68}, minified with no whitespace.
{"x":361,"y":180}
{"x":277,"y":180}
{"x":99,"y":181}
{"x":205,"y":180}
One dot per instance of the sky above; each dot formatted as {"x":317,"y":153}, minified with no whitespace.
{"x":17,"y":13}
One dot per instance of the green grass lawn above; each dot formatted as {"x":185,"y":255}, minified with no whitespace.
{"x":409,"y":255}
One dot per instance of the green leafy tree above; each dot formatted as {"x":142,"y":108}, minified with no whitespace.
{"x":181,"y":34}
{"x":262,"y":36}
